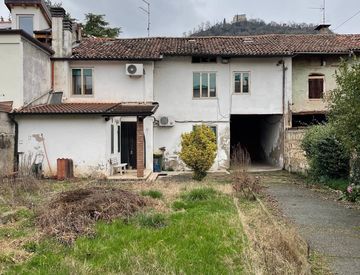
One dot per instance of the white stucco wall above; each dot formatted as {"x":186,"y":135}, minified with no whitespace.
{"x":11,"y":72}
{"x":81,"y":138}
{"x":266,"y":78}
{"x":25,"y":71}
{"x":85,"y":139}
{"x":40,"y":22}
{"x":173,"y":84}
{"x":37,"y":72}
{"x":110,"y":82}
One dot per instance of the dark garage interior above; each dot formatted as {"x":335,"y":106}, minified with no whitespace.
{"x":260,"y":135}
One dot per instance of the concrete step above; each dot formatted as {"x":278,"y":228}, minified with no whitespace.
{"x":153,"y":177}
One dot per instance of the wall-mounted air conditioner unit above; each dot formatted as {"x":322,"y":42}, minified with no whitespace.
{"x":134,"y":69}
{"x":165,"y":121}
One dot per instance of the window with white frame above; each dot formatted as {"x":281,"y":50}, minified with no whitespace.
{"x":82,"y":81}
{"x":242,"y":82}
{"x":26,"y":23}
{"x":204,"y":84}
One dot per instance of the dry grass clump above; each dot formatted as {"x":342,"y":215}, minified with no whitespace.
{"x":74,"y":213}
{"x":273,"y":248}
{"x":18,"y":191}
{"x":244,"y":184}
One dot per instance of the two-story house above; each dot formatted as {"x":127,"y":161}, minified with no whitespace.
{"x":104,"y":99}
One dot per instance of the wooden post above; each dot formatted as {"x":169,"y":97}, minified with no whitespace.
{"x":140,"y":147}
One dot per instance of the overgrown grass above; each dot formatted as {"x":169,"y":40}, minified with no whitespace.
{"x":199,"y":194}
{"x":155,"y":194}
{"x":152,"y":220}
{"x":205,"y":238}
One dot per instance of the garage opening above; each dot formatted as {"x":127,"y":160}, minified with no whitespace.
{"x":260,"y":135}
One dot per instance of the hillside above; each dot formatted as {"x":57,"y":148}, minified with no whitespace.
{"x":251,"y":27}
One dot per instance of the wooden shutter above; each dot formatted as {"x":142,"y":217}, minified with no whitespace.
{"x":316,"y":87}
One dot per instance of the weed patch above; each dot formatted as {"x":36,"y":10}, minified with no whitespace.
{"x":179,"y":205}
{"x":199,"y":194}
{"x":152,"y":220}
{"x":153,"y":194}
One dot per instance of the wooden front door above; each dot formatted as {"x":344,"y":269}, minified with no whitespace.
{"x":128,"y":144}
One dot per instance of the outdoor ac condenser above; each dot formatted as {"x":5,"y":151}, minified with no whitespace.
{"x":134,"y":69}
{"x":165,"y":121}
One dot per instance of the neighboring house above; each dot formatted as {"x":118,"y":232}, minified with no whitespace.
{"x":119,"y":100}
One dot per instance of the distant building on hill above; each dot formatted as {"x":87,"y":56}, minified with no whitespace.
{"x":239,"y":18}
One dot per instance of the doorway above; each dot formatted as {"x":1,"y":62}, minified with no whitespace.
{"x":128,"y":144}
{"x":260,"y":135}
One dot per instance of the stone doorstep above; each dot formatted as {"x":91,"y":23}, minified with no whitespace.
{"x":130,"y":175}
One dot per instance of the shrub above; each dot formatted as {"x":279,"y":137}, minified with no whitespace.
{"x":153,"y":194}
{"x":353,"y":193}
{"x":355,"y":169}
{"x":199,"y":150}
{"x":327,"y":155}
{"x":199,"y":194}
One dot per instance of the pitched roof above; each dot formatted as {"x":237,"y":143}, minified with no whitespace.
{"x":232,"y":46}
{"x":110,"y":109}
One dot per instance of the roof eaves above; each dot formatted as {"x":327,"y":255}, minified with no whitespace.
{"x":72,"y":58}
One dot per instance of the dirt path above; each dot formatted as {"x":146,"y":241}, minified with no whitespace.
{"x":329,"y":227}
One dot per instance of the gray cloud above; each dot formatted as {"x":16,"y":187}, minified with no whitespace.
{"x":173,"y":17}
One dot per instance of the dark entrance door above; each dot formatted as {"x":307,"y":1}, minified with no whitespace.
{"x":128,"y":144}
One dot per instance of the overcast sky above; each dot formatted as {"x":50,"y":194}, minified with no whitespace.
{"x":174,"y":17}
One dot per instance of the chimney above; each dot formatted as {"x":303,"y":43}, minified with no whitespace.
{"x":57,"y":18}
{"x":68,"y":36}
{"x":323,"y":29}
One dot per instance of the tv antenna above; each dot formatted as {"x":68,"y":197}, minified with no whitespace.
{"x":323,"y":11}
{"x":148,"y":12}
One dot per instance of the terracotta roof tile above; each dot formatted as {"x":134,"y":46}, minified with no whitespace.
{"x":6,"y":106}
{"x":258,"y":45}
{"x":110,"y":109}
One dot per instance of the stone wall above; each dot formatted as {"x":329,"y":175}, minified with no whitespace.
{"x":7,"y":142}
{"x":295,"y":160}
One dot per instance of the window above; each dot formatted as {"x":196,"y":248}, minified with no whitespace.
{"x":26,"y":23}
{"x":316,"y":86}
{"x":201,"y":59}
{"x":204,"y":85}
{"x":82,"y":82}
{"x":241,"y":82}
{"x":119,"y":138}
{"x":112,"y":138}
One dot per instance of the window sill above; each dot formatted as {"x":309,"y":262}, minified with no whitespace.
{"x":241,"y":93}
{"x":204,"y":98}
{"x":81,"y":96}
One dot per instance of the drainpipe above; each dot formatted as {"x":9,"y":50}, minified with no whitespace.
{"x":52,"y":75}
{"x":284,"y":68}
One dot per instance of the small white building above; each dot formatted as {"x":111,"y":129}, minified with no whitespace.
{"x":101,"y":102}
